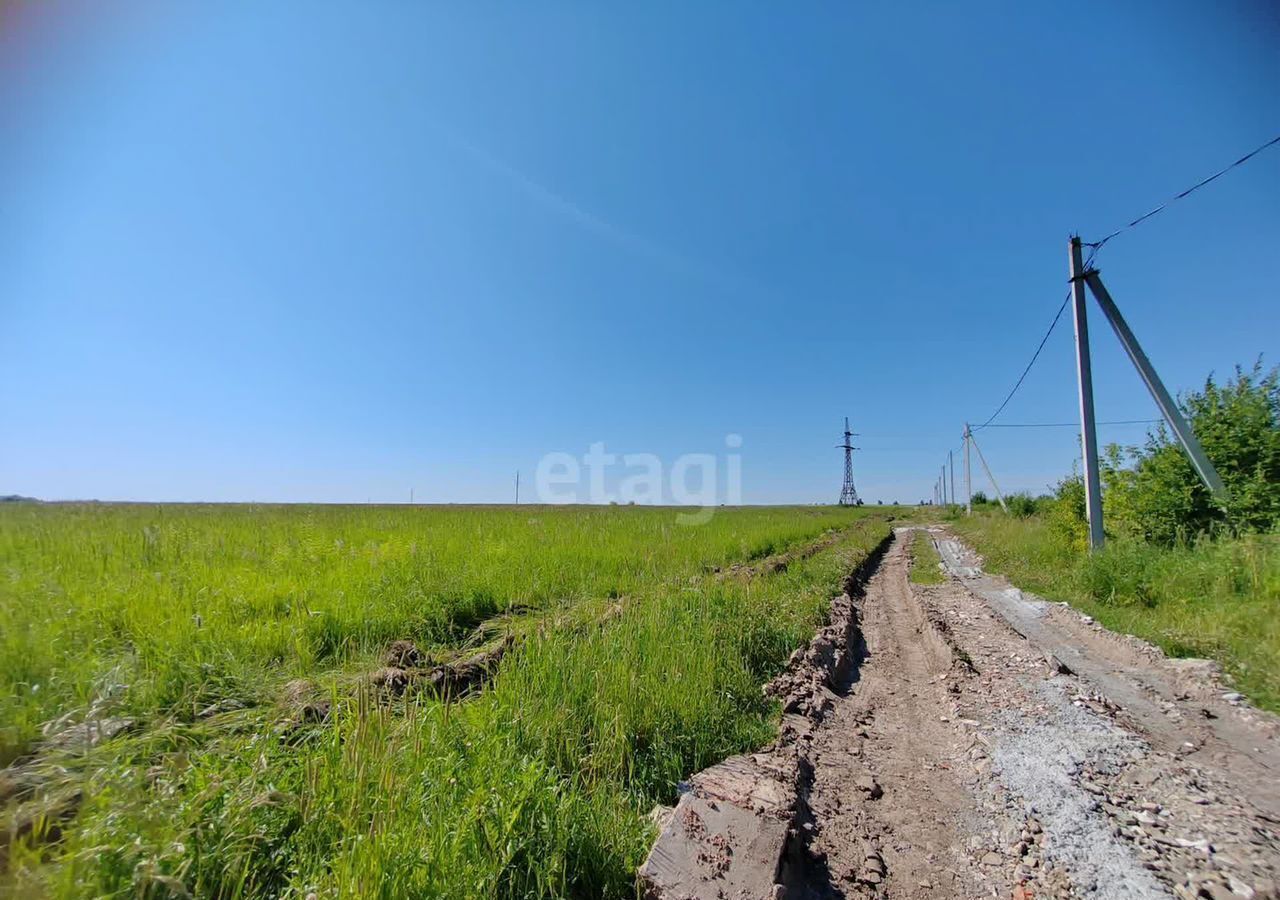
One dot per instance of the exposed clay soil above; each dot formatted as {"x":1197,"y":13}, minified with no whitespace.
{"x":969,"y":740}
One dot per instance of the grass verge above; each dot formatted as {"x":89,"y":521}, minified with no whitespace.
{"x":926,"y":564}
{"x":1216,"y":599}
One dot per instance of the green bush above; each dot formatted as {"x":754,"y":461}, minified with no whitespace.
{"x":1022,"y":505}
{"x":1158,"y":497}
{"x":1066,"y":514}
{"x":1161,"y":498}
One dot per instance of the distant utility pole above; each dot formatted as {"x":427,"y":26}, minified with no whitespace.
{"x":848,"y":493}
{"x":411,"y":496}
{"x":951,"y":461}
{"x":968,"y":483}
{"x":944,"y":484}
{"x":517,"y":487}
{"x":1168,"y":408}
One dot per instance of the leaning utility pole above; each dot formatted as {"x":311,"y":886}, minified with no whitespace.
{"x":848,"y":493}
{"x":1084,"y":374}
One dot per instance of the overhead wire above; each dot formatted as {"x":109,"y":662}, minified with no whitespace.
{"x":1035,"y":356}
{"x":1074,"y":424}
{"x":1097,"y":245}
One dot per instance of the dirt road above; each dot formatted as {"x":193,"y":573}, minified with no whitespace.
{"x":968,"y":740}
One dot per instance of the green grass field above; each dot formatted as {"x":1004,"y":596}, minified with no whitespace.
{"x":639,"y":664}
{"x":925,"y":561}
{"x":1215,"y":599}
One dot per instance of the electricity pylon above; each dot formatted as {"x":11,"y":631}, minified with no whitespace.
{"x":848,"y":493}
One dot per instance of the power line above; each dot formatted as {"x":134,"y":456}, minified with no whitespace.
{"x":1034,"y":357}
{"x":1044,"y":340}
{"x":1075,"y":424}
{"x":1097,"y":245}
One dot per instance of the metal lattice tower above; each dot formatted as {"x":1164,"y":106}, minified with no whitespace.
{"x":848,"y":493}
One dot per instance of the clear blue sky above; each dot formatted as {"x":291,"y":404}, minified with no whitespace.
{"x":332,"y":252}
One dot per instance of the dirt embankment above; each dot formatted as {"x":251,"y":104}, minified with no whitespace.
{"x":733,"y":833}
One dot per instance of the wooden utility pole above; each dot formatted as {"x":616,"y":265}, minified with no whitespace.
{"x":1084,"y":373}
{"x":517,"y":487}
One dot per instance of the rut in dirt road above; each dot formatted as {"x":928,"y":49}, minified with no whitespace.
{"x":891,"y":813}
{"x":963,"y":759}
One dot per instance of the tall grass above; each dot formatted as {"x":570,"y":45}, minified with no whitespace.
{"x":540,"y":786}
{"x":166,"y":609}
{"x":1218,"y":599}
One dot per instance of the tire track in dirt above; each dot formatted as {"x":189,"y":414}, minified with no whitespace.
{"x":889,"y":812}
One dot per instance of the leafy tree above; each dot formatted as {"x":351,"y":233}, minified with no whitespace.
{"x":1238,"y":423}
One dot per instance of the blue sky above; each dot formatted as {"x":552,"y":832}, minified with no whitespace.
{"x":335,"y":252}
